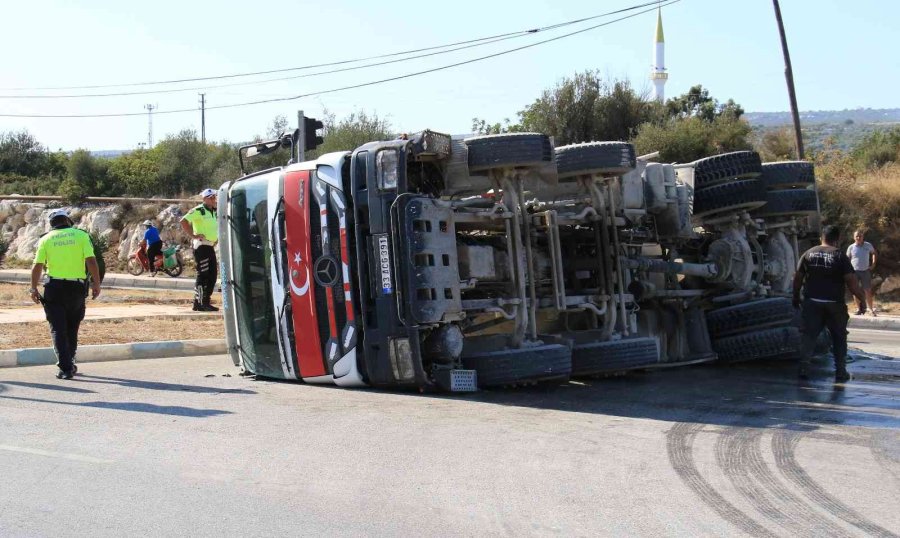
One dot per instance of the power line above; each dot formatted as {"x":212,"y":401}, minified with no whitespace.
{"x":476,"y":41}
{"x":354,"y":86}
{"x":264,"y":81}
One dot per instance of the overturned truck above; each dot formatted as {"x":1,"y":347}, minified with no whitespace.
{"x":442,"y":263}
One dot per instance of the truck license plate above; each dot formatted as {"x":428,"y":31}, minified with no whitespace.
{"x":384,"y":261}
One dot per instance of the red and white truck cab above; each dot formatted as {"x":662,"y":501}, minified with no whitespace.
{"x":286,"y":269}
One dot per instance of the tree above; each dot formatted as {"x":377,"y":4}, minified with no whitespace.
{"x":182,"y":164}
{"x":91,"y":174}
{"x":697,"y":103}
{"x":137,"y":172}
{"x":879,"y":148}
{"x":22,"y":154}
{"x":352,"y":131}
{"x":696,"y":125}
{"x":586,"y":107}
{"x":687,"y":139}
{"x":775,"y":144}
{"x":482,"y":127}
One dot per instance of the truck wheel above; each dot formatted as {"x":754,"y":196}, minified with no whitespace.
{"x":721,"y":168}
{"x":787,"y":175}
{"x":511,"y":150}
{"x":777,"y":311}
{"x":614,"y":356}
{"x":741,"y":194}
{"x":606,"y":158}
{"x":510,"y":367}
{"x":789,"y":202}
{"x":781,"y":342}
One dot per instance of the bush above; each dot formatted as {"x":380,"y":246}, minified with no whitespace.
{"x":879,"y":148}
{"x":687,"y":139}
{"x":72,"y":192}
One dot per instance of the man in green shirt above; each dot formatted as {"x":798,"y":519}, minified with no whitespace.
{"x":65,"y":252}
{"x":201,"y":224}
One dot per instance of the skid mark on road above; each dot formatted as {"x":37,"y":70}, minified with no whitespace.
{"x":58,"y":455}
{"x":878,"y":445}
{"x":784,"y":445}
{"x":680,"y":443}
{"x":739,"y":454}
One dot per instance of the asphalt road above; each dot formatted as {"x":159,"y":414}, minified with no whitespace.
{"x":185,"y":447}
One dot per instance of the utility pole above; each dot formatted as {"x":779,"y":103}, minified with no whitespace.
{"x":789,"y":77}
{"x":150,"y":109}
{"x":203,"y":118}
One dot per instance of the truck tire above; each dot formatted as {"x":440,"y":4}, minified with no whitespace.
{"x":741,"y":318}
{"x":512,"y":150}
{"x":510,"y":367}
{"x":781,"y":342}
{"x":788,"y":175}
{"x":721,"y":168}
{"x":789,"y":202}
{"x":614,"y":356}
{"x":741,"y":194}
{"x":607,"y":158}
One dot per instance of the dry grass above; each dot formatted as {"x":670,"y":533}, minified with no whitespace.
{"x":868,"y":199}
{"x":15,"y":296}
{"x":119,"y":331}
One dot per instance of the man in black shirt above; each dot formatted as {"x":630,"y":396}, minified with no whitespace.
{"x":823,"y":272}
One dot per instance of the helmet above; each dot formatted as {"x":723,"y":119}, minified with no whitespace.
{"x":147,"y":223}
{"x":207,"y":193}
{"x":56,"y":213}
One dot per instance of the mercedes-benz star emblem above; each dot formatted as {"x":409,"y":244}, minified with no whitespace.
{"x":326,"y":271}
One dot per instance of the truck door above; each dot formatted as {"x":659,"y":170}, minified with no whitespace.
{"x":308,"y":305}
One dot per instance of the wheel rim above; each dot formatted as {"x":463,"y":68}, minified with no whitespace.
{"x":135,"y":267}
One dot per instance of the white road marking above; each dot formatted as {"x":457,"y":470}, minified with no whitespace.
{"x":39,"y":452}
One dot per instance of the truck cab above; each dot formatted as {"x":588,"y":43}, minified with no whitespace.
{"x":287,"y":287}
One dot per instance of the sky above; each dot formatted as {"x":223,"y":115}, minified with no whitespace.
{"x":843,"y":54}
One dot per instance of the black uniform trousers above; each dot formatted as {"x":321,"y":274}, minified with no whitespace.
{"x":815,"y":317}
{"x":207,"y":272}
{"x":153,"y":251}
{"x":64,"y":307}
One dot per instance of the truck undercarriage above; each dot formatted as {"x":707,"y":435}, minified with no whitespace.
{"x":500,"y":260}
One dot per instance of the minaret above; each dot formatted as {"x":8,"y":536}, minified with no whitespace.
{"x":658,"y":75}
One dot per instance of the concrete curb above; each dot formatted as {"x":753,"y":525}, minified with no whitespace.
{"x":112,"y":281}
{"x":879,"y":323}
{"x":115,"y":352}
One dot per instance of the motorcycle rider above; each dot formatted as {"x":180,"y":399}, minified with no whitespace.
{"x":153,"y":243}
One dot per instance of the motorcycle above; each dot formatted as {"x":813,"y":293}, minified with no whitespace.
{"x":169,"y":262}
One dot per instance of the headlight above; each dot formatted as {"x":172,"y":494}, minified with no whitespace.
{"x":402,"y":360}
{"x":387,"y":169}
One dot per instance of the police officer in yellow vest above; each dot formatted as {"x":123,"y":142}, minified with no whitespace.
{"x":201,"y":224}
{"x":65,"y":252}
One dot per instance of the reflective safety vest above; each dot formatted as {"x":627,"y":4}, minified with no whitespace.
{"x":63,"y":251}
{"x":203,"y":220}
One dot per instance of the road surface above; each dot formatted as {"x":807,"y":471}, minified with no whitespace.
{"x":176,"y":447}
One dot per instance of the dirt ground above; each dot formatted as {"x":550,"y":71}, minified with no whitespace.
{"x":15,"y":295}
{"x":117,"y":331}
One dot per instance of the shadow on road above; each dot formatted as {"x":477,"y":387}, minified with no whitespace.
{"x":155,"y":385}
{"x":46,"y":386}
{"x":756,"y":395}
{"x":174,"y":410}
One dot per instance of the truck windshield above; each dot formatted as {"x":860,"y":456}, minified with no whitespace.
{"x":251,"y":252}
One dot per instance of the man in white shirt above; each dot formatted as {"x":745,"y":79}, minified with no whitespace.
{"x":863,"y":256}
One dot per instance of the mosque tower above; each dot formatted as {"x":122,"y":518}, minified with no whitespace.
{"x":658,"y":75}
